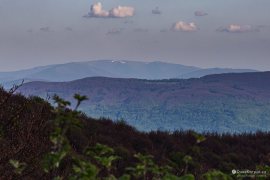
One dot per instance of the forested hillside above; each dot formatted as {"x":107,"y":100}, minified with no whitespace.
{"x":237,"y":102}
{"x":38,"y":141}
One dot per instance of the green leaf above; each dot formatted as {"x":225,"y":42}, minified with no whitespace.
{"x":125,"y":177}
{"x":19,"y":167}
{"x":216,"y":175}
{"x":187,"y":177}
{"x":199,"y":138}
{"x":80,"y":98}
{"x":187,"y":159}
{"x":84,"y":170}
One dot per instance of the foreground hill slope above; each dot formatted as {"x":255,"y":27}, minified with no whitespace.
{"x":26,"y":124}
{"x":236,"y":102}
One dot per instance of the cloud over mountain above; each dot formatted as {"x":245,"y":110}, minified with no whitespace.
{"x":236,"y":28}
{"x":184,"y":26}
{"x":97,"y":10}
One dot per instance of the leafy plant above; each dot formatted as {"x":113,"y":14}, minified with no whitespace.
{"x":187,"y":160}
{"x":103,"y":154}
{"x":18,"y":166}
{"x":79,"y":99}
{"x":144,"y":166}
{"x":147,"y":167}
{"x":199,"y":138}
{"x":84,"y":170}
{"x":216,"y":175}
{"x":64,"y":120}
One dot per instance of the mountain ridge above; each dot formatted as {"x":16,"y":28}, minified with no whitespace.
{"x":233,"y":102}
{"x":110,"y":68}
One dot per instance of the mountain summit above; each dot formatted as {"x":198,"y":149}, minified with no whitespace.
{"x":110,"y":68}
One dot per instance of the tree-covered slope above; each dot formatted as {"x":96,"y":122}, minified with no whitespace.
{"x":221,"y":103}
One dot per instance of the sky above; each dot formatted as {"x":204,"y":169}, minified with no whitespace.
{"x":202,"y":33}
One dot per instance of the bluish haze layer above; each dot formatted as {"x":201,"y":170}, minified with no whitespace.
{"x":223,"y":33}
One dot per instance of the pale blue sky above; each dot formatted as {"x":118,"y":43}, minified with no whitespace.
{"x":23,"y":44}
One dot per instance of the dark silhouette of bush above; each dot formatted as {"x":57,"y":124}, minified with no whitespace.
{"x":26,"y":125}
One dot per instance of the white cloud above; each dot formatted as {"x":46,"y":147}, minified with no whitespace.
{"x":200,"y":13}
{"x":236,"y":28}
{"x":122,"y":11}
{"x":97,"y":10}
{"x":184,"y":26}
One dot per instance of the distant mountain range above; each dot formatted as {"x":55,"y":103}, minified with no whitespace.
{"x":233,"y":102}
{"x":109,"y":68}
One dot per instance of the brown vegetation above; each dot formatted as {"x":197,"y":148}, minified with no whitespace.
{"x":25,"y":128}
